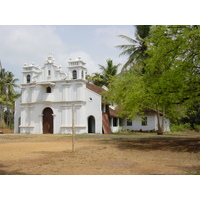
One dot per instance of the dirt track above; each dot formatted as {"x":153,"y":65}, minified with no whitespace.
{"x":51,"y":154}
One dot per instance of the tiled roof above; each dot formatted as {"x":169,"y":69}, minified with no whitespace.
{"x":95,"y":88}
{"x":113,"y":113}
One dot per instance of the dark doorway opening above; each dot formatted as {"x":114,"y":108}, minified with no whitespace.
{"x":47,"y":121}
{"x":91,"y":124}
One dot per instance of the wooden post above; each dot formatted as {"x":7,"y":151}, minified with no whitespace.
{"x":73,"y":132}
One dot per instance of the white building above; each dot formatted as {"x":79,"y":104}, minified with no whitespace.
{"x":48,"y":94}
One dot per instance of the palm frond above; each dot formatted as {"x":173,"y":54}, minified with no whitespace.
{"x":129,"y":39}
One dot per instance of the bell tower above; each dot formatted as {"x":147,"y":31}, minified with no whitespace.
{"x":77,"y":69}
{"x":29,"y":72}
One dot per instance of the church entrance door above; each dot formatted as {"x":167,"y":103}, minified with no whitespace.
{"x":47,"y":121}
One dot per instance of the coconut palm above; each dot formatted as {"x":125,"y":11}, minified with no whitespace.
{"x":10,"y":84}
{"x":109,"y":71}
{"x":106,"y":74}
{"x":2,"y":95}
{"x":96,"y":79}
{"x":137,"y":47}
{"x":8,"y":96}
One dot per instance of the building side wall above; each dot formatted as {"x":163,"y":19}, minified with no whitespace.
{"x":93,"y":108}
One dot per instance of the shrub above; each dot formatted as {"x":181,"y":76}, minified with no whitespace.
{"x":197,"y":128}
{"x":180,"y":127}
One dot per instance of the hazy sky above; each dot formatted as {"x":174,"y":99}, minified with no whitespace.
{"x":32,"y":44}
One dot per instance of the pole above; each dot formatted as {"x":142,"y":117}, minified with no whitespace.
{"x":73,"y":132}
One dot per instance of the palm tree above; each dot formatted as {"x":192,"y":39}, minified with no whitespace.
{"x":2,"y":96}
{"x":96,"y":79}
{"x":137,"y":47}
{"x":10,"y":84}
{"x":7,"y":96}
{"x":109,"y":71}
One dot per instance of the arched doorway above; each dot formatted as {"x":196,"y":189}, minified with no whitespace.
{"x":91,"y":124}
{"x":47,"y":120}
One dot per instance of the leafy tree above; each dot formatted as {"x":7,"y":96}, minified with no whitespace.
{"x":170,"y":81}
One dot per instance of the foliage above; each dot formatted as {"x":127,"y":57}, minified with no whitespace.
{"x":128,"y":92}
{"x":96,"y":79}
{"x":7,"y":97}
{"x":107,"y":72}
{"x":180,"y":127}
{"x":197,"y":127}
{"x":169,"y":81}
{"x":136,"y":50}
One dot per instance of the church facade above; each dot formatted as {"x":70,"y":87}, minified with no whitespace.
{"x":50,"y":97}
{"x":48,"y":94}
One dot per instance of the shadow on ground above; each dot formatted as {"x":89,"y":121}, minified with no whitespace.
{"x":191,"y":145}
{"x":4,"y":172}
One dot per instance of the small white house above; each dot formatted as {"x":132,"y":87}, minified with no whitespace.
{"x":48,"y":94}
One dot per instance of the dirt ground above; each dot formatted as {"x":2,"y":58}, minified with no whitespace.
{"x":25,"y":154}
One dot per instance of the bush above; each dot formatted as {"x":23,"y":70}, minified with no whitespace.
{"x":197,"y":128}
{"x":180,"y":127}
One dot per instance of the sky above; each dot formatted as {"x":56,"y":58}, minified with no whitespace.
{"x":33,"y":43}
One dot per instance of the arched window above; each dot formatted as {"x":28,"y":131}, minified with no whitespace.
{"x":74,"y":74}
{"x":48,"y":90}
{"x":28,"y":79}
{"x":82,"y":74}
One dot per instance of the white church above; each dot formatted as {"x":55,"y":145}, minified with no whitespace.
{"x":48,"y":94}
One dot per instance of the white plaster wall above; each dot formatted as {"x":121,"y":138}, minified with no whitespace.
{"x":137,"y":123}
{"x":93,"y":107}
{"x":17,"y":115}
{"x":166,"y":124}
{"x":115,"y":128}
{"x":152,"y":123}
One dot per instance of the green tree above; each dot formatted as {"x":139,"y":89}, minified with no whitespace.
{"x":170,"y":81}
{"x":106,"y":74}
{"x":11,"y":95}
{"x":8,"y":96}
{"x":109,"y":71}
{"x":96,"y":79}
{"x":136,"y":50}
{"x":2,"y":96}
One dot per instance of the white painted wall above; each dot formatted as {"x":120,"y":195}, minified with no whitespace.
{"x":152,"y":124}
{"x":115,"y":128}
{"x":65,"y":92}
{"x":93,"y":108}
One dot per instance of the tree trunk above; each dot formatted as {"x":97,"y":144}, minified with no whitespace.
{"x":163,"y":119}
{"x":160,"y":130}
{"x":2,"y":123}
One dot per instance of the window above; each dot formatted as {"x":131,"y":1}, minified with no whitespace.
{"x":48,"y":90}
{"x":129,"y":122}
{"x":115,"y":121}
{"x":144,"y":121}
{"x":120,"y":122}
{"x":82,"y":74}
{"x":49,"y":72}
{"x":28,"y":79}
{"x":74,"y":74}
